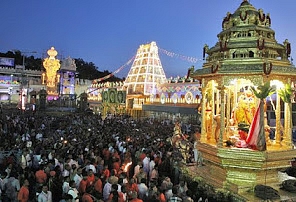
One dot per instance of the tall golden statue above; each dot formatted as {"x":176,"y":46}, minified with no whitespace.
{"x":52,"y":65}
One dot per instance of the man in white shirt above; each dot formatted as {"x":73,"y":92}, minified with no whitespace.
{"x":107,"y":190}
{"x":146,"y":162}
{"x":39,"y":136}
{"x":67,"y":170}
{"x":12,"y":186}
{"x":45,"y":195}
{"x":73,"y":191}
{"x":78,"y":177}
{"x":25,"y":159}
{"x":91,"y":166}
{"x":151,"y":164}
{"x":143,"y":189}
{"x":137,"y":168}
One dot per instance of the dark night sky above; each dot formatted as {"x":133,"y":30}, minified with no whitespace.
{"x":109,"y":32}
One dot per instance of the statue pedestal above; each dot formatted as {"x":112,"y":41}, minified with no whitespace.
{"x":239,"y":170}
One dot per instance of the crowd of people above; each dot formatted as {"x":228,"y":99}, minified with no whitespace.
{"x":79,"y":157}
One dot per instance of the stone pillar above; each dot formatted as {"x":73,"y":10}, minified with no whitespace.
{"x":278,"y":124}
{"x":203,"y":111}
{"x":288,"y":123}
{"x":228,"y":112}
{"x":222,"y":116}
{"x":288,"y":126}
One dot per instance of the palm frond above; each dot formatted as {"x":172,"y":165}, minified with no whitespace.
{"x":286,"y":93}
{"x":263,"y":91}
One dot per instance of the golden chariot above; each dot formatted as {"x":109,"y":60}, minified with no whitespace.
{"x":245,"y":57}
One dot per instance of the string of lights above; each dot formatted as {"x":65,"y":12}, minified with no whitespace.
{"x":179,"y":56}
{"x":115,"y":72}
{"x":166,"y":52}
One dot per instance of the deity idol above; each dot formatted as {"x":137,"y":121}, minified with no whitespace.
{"x":245,"y":109}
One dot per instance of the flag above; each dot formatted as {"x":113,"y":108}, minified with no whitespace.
{"x":256,"y":135}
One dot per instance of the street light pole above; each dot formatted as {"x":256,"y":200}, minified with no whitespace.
{"x":22,"y":98}
{"x":23,"y":60}
{"x":10,"y":88}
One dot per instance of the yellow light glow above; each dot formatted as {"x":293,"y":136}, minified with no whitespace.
{"x":126,"y":166}
{"x":278,"y":84}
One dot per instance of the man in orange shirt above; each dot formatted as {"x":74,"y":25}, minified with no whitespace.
{"x":23,"y":195}
{"x":90,"y":177}
{"x":131,"y":186}
{"x":87,"y":197}
{"x":116,"y":164}
{"x":134,"y":197}
{"x":40,"y":175}
{"x":142,"y":155}
{"x":83,"y":184}
{"x":115,"y":195}
{"x":105,"y":173}
{"x":98,"y":186}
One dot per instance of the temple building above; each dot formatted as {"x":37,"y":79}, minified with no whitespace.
{"x":67,"y":75}
{"x":150,"y":94}
{"x":147,"y":92}
{"x":244,"y":77}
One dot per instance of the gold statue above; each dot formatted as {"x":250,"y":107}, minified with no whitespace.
{"x":52,"y":65}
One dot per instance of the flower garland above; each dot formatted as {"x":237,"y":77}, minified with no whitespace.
{"x":105,"y":96}
{"x":226,"y":19}
{"x":261,"y":17}
{"x":288,"y":49}
{"x":214,"y":69}
{"x":260,"y":47}
{"x":112,"y":96}
{"x":265,"y":70}
{"x":203,"y":53}
{"x":223,"y":48}
{"x":269,"y":19}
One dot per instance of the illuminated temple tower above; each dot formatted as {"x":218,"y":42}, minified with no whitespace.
{"x":145,"y":73}
{"x":246,"y":56}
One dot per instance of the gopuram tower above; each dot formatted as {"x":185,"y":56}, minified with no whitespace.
{"x":144,"y":76}
{"x":146,"y":71}
{"x":245,"y":57}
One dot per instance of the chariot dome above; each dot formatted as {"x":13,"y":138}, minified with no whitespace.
{"x":247,"y":44}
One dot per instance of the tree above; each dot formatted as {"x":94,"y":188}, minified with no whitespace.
{"x":261,"y":93}
{"x":85,"y":70}
{"x":88,"y":70}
